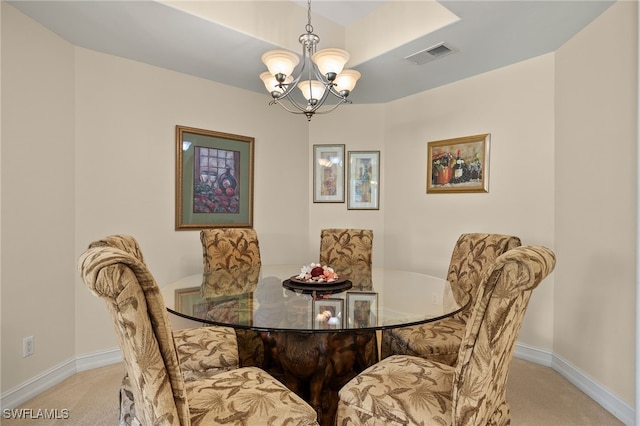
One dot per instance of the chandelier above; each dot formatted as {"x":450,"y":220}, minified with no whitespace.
{"x":321,"y":74}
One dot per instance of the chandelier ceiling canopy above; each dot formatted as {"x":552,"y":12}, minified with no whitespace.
{"x":321,"y":74}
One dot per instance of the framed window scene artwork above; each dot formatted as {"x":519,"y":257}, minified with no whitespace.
{"x":214,"y":179}
{"x":364,"y":177}
{"x":458,"y":165}
{"x":328,"y":173}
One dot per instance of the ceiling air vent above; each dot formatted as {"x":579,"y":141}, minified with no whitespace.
{"x":440,"y":50}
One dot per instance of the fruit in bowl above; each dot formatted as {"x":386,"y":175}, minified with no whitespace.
{"x":314,"y":272}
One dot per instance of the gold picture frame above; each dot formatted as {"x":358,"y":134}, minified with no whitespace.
{"x":186,"y":298}
{"x":214,"y":179}
{"x":458,"y":165}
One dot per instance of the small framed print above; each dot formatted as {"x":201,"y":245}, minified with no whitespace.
{"x":364,"y":179}
{"x":328,"y":173}
{"x":458,"y":165}
{"x":362,"y":309}
{"x":327,"y":314}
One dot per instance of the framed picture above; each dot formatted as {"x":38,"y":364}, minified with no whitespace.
{"x":364,"y":178}
{"x":214,"y":179}
{"x":186,"y":298}
{"x":328,"y":314}
{"x":362,"y":309}
{"x":458,"y":165}
{"x":328,"y":173}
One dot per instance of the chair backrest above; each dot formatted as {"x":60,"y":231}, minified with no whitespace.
{"x":225,"y":248}
{"x":491,"y":333}
{"x":349,"y":252}
{"x":123,"y":242}
{"x":472,"y":254}
{"x":143,"y":330}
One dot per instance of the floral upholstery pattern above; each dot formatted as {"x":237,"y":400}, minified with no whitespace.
{"x":241,"y":396}
{"x":349,"y":252}
{"x":225,"y":248}
{"x":213,"y":341}
{"x":228,"y":254}
{"x":230,"y":282}
{"x":206,"y":351}
{"x":410,"y":390}
{"x":440,"y":340}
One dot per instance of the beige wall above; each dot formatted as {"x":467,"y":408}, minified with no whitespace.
{"x":596,"y":146}
{"x":38,"y":200}
{"x":125,"y":162}
{"x":513,"y":104}
{"x":359,"y":128}
{"x":104,"y":126}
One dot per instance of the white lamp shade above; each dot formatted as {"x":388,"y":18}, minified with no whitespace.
{"x":330,"y":60}
{"x":271,"y":84}
{"x":280,"y":61}
{"x":311,"y":89}
{"x":347,"y":80}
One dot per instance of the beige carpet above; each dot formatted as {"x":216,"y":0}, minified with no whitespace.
{"x":538,"y":397}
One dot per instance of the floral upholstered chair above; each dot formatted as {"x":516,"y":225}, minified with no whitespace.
{"x":349,"y":252}
{"x":163,"y":385}
{"x":410,"y":390}
{"x":234,"y":252}
{"x":225,"y":248}
{"x":440,"y":340}
{"x":202,"y":352}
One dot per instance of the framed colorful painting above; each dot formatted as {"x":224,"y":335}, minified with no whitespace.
{"x":214,"y":179}
{"x":458,"y":165}
{"x":328,"y":173}
{"x":364,"y":179}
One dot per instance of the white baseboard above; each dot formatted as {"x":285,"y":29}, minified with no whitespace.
{"x":51,"y":377}
{"x":620,"y":409}
{"x":55,"y":375}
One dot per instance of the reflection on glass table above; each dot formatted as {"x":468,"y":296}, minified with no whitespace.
{"x":317,"y":337}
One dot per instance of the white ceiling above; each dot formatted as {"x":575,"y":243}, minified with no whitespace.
{"x":486,"y":35}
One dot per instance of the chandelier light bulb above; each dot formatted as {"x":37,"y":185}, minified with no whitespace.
{"x":311,"y":89}
{"x":347,"y":80}
{"x":280,"y":61}
{"x":330,"y":62}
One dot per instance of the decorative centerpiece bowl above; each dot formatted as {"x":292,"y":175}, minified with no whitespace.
{"x":315,"y":273}
{"x":315,"y":277}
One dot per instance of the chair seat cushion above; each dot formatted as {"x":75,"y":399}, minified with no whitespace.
{"x":399,"y":390}
{"x":437,"y":341}
{"x":206,"y":351}
{"x":246,"y":396}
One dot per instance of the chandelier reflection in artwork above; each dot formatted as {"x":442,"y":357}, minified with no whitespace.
{"x":321,"y":74}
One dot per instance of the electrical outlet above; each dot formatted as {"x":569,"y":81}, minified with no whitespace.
{"x":27,"y":346}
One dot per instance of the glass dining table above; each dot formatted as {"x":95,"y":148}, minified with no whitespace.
{"x":313,"y":336}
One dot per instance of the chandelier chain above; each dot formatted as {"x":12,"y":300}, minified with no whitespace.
{"x":309,"y":27}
